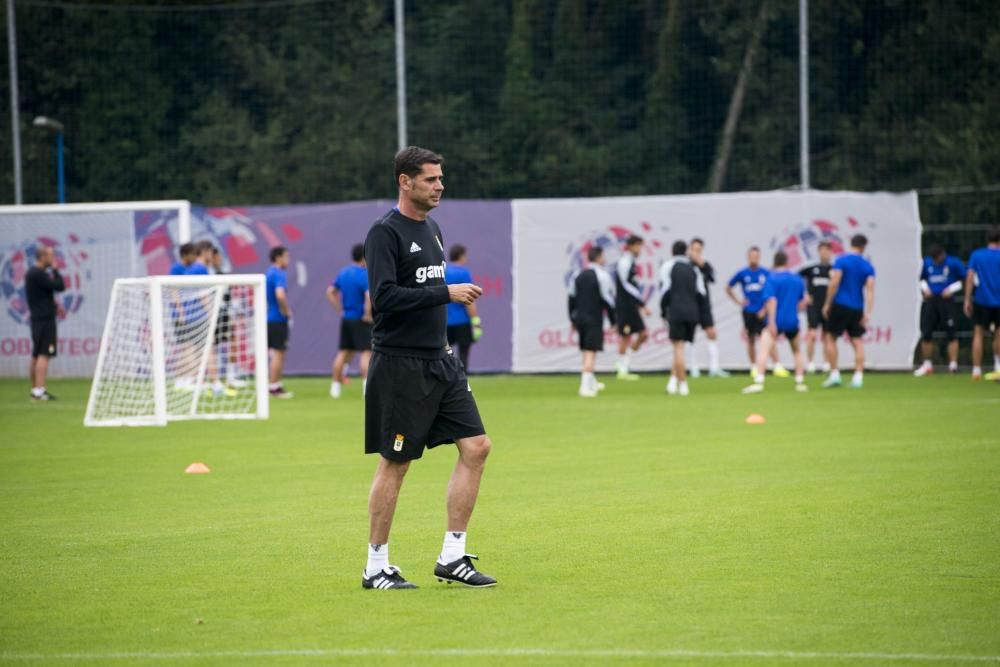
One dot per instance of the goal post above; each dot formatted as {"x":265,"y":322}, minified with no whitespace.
{"x":182,"y":347}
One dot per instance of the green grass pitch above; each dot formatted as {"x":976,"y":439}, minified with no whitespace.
{"x":854,"y":527}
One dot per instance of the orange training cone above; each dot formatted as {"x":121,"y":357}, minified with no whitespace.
{"x":197,"y":468}
{"x":755,"y":419}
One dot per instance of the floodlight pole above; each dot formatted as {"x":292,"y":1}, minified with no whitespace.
{"x":57,"y":127}
{"x":804,"y":91}
{"x":15,"y":119}
{"x":400,"y":76}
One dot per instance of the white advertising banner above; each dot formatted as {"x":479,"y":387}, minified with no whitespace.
{"x":551,"y":238}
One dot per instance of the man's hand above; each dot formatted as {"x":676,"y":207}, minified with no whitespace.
{"x":772,"y":328}
{"x":967,"y":308}
{"x":865,"y":319}
{"x":465,"y":293}
{"x":826,"y":311}
{"x":926,"y":292}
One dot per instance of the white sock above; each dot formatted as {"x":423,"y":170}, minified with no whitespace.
{"x":713,"y":355}
{"x":689,"y":355}
{"x":37,"y":391}
{"x":952,"y":365}
{"x":588,"y":382}
{"x":672,"y":382}
{"x":799,"y":379}
{"x":977,"y":370}
{"x":453,"y":548}
{"x":927,"y":363}
{"x":996,"y":362}
{"x":364,"y":386}
{"x":858,"y":376}
{"x":758,"y":378}
{"x":378,"y":558}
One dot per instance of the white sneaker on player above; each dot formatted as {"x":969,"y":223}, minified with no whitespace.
{"x":334,"y":390}
{"x":600,"y":386}
{"x":754,"y":388}
{"x":672,"y":385}
{"x":810,"y":367}
{"x":682,"y":389}
{"x":718,"y":373}
{"x":695,"y":372}
{"x":587,"y":392}
{"x":925,"y":369}
{"x":801,"y":387}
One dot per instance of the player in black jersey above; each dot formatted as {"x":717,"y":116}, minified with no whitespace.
{"x":817,"y":279}
{"x":630,"y":307}
{"x":591,"y":296}
{"x":417,"y":394}
{"x":705,"y":318}
{"x":41,"y":283}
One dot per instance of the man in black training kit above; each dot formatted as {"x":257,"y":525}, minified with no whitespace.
{"x":41,"y":283}
{"x":683,"y":288}
{"x":417,"y":395}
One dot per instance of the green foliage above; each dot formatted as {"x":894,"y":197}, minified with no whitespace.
{"x":296,"y":103}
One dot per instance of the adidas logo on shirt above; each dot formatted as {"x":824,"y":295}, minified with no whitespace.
{"x":415,"y":247}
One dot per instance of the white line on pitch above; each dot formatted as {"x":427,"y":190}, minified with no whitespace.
{"x":505,"y":653}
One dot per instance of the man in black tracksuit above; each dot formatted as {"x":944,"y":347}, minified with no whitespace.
{"x":591,"y":296}
{"x":417,"y":394}
{"x":41,"y":283}
{"x":683,"y":290}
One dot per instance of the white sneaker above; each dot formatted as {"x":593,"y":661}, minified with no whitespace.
{"x":925,"y":369}
{"x":718,"y":373}
{"x":334,"y":390}
{"x":811,"y":367}
{"x":857,"y":383}
{"x":801,"y":387}
{"x":600,"y":386}
{"x":754,"y":388}
{"x":588,"y":393}
{"x":672,"y":386}
{"x":237,"y":383}
{"x":695,"y":372}
{"x":683,"y":389}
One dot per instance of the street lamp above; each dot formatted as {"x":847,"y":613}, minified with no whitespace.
{"x":57,"y":127}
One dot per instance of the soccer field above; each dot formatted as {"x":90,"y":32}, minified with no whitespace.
{"x":854,"y":527}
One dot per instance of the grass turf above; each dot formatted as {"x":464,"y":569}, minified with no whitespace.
{"x":630,"y":528}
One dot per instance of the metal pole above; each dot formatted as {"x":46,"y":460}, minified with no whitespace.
{"x":400,"y":76}
{"x":15,"y":120}
{"x":60,"y":168}
{"x":804,"y":91}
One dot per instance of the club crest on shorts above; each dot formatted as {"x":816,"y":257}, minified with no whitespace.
{"x":397,"y":446}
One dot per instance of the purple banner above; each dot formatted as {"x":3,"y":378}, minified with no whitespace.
{"x":319,"y":238}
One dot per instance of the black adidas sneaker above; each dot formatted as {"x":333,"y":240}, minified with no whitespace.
{"x":389,"y":577}
{"x":462,"y":572}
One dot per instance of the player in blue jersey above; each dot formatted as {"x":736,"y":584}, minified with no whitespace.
{"x":187,"y":254}
{"x":941,"y":279}
{"x":849,"y":303}
{"x":279,"y":315}
{"x":982,"y":302}
{"x":464,"y":324}
{"x":196,"y":315}
{"x":784,"y":296}
{"x":348,"y":293}
{"x":751,"y":280}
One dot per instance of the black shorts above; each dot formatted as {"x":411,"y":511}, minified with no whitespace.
{"x":985,"y":316}
{"x":591,"y":337}
{"x":277,"y":336}
{"x":223,"y":328}
{"x":630,"y":320}
{"x":460,"y":334}
{"x":705,"y":313}
{"x":44,"y":342}
{"x":814,"y":316}
{"x":937,"y":314}
{"x":789,"y":334}
{"x":355,"y":335}
{"x":844,"y":319}
{"x":753,"y":324}
{"x":413,"y":403}
{"x":682,"y":331}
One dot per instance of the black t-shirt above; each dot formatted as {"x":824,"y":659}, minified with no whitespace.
{"x":591,"y":296}
{"x":41,"y":286}
{"x":409,"y":295}
{"x":817,"y":279}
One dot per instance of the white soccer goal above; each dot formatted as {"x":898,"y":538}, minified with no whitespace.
{"x":182,"y":347}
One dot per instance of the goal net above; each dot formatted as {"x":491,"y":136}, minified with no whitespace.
{"x":182,"y":347}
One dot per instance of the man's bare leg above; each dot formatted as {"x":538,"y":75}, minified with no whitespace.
{"x":382,"y":498}
{"x":977,"y":352}
{"x":463,"y":487}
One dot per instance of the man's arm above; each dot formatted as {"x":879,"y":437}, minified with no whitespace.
{"x":622,"y":268}
{"x":869,"y":299}
{"x":333,"y":296}
{"x":367,"y":315}
{"x":281,"y":296}
{"x":970,"y":282}
{"x":771,"y":308}
{"x":732,"y":295}
{"x":835,"y":277}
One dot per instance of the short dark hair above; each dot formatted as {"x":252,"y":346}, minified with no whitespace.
{"x":358,"y":252}
{"x":203,"y":246}
{"x":697,"y":239}
{"x":411,"y":161}
{"x":188,"y":249}
{"x":633,"y":239}
{"x":680,"y":248}
{"x":753,"y":248}
{"x":456,"y":252}
{"x":276,"y":252}
{"x":825,"y":244}
{"x":993,"y":236}
{"x":780,"y":258}
{"x":936,"y":250}
{"x":594,"y":252}
{"x":859,"y":241}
